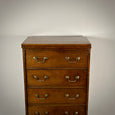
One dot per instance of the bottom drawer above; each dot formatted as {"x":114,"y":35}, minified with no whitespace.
{"x":56,"y":110}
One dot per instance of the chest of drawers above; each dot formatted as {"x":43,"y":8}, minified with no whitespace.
{"x":56,"y":75}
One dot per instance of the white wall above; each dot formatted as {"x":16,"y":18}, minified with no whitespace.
{"x":93,"y":18}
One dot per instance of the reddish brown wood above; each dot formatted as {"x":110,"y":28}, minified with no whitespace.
{"x":55,"y":78}
{"x":57,"y":96}
{"x":56,"y":42}
{"x":25,"y":81}
{"x":56,"y":67}
{"x":56,"y":58}
{"x":57,"y":109}
{"x":87,"y":96}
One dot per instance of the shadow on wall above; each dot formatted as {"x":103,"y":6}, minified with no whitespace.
{"x":102,"y":77}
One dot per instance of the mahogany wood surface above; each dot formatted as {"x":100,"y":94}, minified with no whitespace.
{"x":56,"y":42}
{"x":25,"y":81}
{"x":87,"y":83}
{"x":56,"y":67}
{"x":56,"y":58}
{"x":55,"y":78}
{"x":57,"y":96}
{"x":57,"y":109}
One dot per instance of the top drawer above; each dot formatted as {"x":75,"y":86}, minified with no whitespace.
{"x":56,"y":58}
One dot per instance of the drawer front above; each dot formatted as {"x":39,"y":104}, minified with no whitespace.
{"x":57,"y":110}
{"x":56,"y":78}
{"x":56,"y":58}
{"x":77,"y":96}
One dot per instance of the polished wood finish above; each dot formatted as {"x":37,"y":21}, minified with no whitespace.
{"x":57,"y":96}
{"x":57,"y":109}
{"x":50,"y":42}
{"x":87,"y":84}
{"x":53,"y":61}
{"x":25,"y":81}
{"x":56,"y":79}
{"x":47,"y":84}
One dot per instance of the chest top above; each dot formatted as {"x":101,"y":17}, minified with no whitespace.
{"x":56,"y":42}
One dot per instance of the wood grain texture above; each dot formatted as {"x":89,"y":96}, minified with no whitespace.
{"x":87,"y":84}
{"x":57,"y":96}
{"x":57,"y":109}
{"x":56,"y":48}
{"x":55,"y":78}
{"x":25,"y":81}
{"x":56,"y":58}
{"x":56,"y":42}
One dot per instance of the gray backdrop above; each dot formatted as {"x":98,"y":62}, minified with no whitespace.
{"x":92,"y":18}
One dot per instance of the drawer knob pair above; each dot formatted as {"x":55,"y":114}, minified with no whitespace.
{"x":37,"y":113}
{"x":37,"y":78}
{"x":45,"y":96}
{"x":70,"y":98}
{"x":40,"y":60}
{"x":67,"y":113}
{"x":76,"y":78}
{"x":70,"y":61}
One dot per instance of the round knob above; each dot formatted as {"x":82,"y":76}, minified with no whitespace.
{"x":36,"y":95}
{"x":35,"y":77}
{"x":78,"y":58}
{"x":36,"y":113}
{"x":77,"y":95}
{"x":46,"y":113}
{"x":67,"y":95}
{"x":67,"y":58}
{"x":77,"y":77}
{"x":76,"y":113}
{"x":35,"y":58}
{"x":45,"y":58}
{"x":67,"y":77}
{"x":45,"y":77}
{"x":66,"y":113}
{"x":46,"y":95}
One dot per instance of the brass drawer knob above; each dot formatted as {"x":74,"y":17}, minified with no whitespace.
{"x":36,"y":95}
{"x":76,"y":59}
{"x":77,"y":95}
{"x":70,"y":98}
{"x":67,"y":95}
{"x":40,"y":60}
{"x":36,"y":113}
{"x":66,"y":113}
{"x":76,"y":79}
{"x":46,"y":113}
{"x":37,"y":78}
{"x":76,"y":113}
{"x":45,"y":96}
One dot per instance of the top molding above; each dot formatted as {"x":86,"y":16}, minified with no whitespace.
{"x":56,"y":42}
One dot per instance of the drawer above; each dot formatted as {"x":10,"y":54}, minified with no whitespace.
{"x":77,"y":96}
{"x":56,"y":58}
{"x":58,"y":78}
{"x":57,"y":110}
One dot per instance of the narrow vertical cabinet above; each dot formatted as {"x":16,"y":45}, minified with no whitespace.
{"x":56,"y":75}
